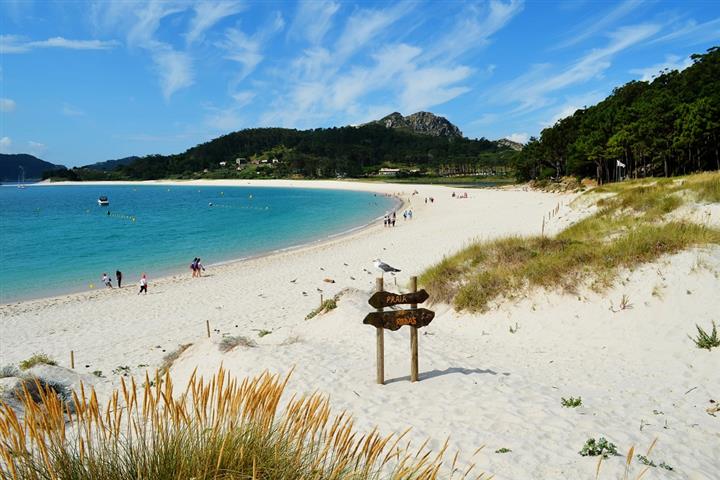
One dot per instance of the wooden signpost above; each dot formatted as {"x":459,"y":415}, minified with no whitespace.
{"x":394,"y":319}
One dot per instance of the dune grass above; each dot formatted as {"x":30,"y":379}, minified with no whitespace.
{"x":217,"y":429}
{"x":36,"y":359}
{"x":628,"y":230}
{"x":170,"y":358}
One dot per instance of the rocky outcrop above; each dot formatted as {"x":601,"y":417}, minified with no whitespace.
{"x":504,"y":142}
{"x":424,"y":123}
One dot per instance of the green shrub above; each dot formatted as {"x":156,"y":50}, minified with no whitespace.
{"x":601,"y":447}
{"x":327,"y":305}
{"x":571,"y":402}
{"x":705,"y":340}
{"x":36,"y":359}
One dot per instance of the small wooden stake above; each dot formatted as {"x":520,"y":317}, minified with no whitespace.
{"x":413,"y":338}
{"x":321,"y":300}
{"x":207,"y":326}
{"x":542,"y":231}
{"x":72,"y":359}
{"x":380,"y":341}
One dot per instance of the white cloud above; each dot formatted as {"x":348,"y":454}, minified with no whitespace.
{"x":225,"y":120}
{"x":208,"y":14}
{"x":324,"y":85}
{"x":693,"y":33}
{"x":592,"y":26}
{"x":36,"y":148}
{"x":531,"y":89}
{"x":147,"y":21}
{"x":519,"y":137}
{"x":174,"y":69}
{"x":18,"y":44}
{"x":672,"y":62}
{"x":5,"y":144}
{"x":247,"y":50}
{"x":573,"y":104}
{"x":313,"y":20}
{"x":71,"y":111}
{"x":475,"y":25}
{"x":7,"y":105}
{"x":243,"y":98}
{"x":427,"y":87}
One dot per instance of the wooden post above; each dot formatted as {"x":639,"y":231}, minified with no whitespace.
{"x":413,"y":338}
{"x":72,"y":359}
{"x":380,"y":341}
{"x":207,"y":326}
{"x":542,"y":231}
{"x":321,"y":300}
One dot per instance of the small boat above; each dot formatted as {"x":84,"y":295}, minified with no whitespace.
{"x":103,"y":201}
{"x":21,"y":178}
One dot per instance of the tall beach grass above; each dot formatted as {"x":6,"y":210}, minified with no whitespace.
{"x":631,"y":227}
{"x":217,"y":429}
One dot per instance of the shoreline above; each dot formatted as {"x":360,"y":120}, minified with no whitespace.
{"x":166,"y":274}
{"x":493,"y":379}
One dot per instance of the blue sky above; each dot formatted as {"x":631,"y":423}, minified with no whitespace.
{"x":87,"y":81}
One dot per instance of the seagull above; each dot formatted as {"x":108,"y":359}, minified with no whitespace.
{"x":384,"y":267}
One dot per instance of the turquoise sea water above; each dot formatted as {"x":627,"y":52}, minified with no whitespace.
{"x":56,"y":239}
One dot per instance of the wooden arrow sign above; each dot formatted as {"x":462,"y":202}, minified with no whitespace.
{"x":394,"y":319}
{"x":388,"y":299}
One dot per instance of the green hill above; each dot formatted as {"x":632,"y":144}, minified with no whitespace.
{"x":34,"y":167}
{"x":429,"y":147}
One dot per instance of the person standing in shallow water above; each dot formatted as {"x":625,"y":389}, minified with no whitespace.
{"x":143,"y":284}
{"x":118,"y":275}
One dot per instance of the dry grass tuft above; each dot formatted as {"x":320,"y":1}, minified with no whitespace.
{"x":228,"y":343}
{"x":170,"y":358}
{"x":221,"y":428}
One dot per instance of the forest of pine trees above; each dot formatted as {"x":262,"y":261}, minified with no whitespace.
{"x":670,"y":126}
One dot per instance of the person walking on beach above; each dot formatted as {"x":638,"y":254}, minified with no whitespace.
{"x":193,"y":267}
{"x":106,"y":280}
{"x":143,"y":284}
{"x":118,"y":275}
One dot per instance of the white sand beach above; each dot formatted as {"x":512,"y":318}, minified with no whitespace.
{"x":639,"y":375}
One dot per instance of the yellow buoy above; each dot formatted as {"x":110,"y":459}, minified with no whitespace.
{"x":91,"y":286}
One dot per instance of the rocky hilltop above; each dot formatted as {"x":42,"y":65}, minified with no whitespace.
{"x":424,"y":123}
{"x":505,"y":142}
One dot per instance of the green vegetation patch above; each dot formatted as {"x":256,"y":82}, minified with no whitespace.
{"x":327,"y":305}
{"x":706,"y":340}
{"x":600,"y":447}
{"x":36,"y":359}
{"x":571,"y":402}
{"x":625,"y":233}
